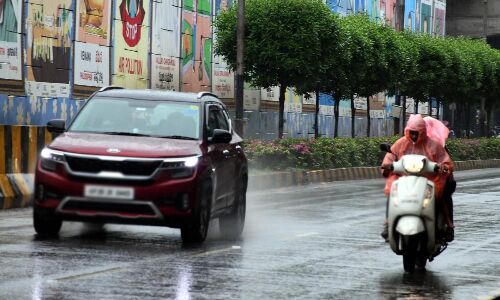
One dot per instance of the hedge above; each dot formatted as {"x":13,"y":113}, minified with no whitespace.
{"x":328,"y":153}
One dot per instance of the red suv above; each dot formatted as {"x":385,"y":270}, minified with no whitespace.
{"x":144,"y":157}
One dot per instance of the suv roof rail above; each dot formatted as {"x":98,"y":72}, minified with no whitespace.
{"x":201,"y":94}
{"x":110,"y":87}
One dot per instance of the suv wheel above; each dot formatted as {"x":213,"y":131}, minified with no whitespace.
{"x":231,"y":225}
{"x":196,"y":230}
{"x":46,"y":223}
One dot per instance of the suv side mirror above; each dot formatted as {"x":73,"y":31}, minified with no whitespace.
{"x":56,"y":126}
{"x":221,"y":136}
{"x":386,"y":147}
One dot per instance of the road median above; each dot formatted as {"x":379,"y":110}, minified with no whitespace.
{"x":297,"y":178}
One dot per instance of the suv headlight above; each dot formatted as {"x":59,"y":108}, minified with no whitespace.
{"x":51,"y":158}
{"x":181,"y":167}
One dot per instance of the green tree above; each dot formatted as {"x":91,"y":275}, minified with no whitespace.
{"x":283,"y":42}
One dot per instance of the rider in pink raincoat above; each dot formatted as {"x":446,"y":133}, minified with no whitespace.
{"x":417,"y":141}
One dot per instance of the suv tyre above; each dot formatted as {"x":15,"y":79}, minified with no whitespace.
{"x":46,"y":223}
{"x":231,"y":225}
{"x":196,"y":230}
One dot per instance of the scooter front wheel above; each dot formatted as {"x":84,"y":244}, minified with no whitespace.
{"x":410,"y":244}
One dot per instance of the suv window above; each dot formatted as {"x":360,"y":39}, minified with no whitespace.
{"x":216,"y":119}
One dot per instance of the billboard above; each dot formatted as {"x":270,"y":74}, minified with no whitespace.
{"x":426,"y":16}
{"x":222,"y":77}
{"x":439,"y":18}
{"x":270,"y":94}
{"x":373,"y":9}
{"x":165,"y":48}
{"x":49,"y":35}
{"x":131,"y":43}
{"x":10,"y":39}
{"x":92,"y":62}
{"x":342,"y":7}
{"x":410,"y":16}
{"x":196,"y":51}
{"x":293,"y":102}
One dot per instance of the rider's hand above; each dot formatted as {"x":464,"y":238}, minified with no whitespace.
{"x":387,"y":169}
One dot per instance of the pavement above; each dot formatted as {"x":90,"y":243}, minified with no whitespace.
{"x":319,"y":241}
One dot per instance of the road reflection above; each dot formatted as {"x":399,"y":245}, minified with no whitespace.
{"x":419,"y":285}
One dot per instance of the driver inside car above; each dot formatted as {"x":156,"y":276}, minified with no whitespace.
{"x":416,"y":141}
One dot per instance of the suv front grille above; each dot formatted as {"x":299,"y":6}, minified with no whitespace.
{"x":126,"y":167}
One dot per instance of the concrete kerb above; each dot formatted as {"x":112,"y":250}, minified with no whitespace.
{"x":285,"y":179}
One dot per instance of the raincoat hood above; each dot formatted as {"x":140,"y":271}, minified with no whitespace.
{"x":436,"y":130}
{"x":416,"y":123}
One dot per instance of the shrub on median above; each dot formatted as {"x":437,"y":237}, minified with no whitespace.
{"x":328,"y":153}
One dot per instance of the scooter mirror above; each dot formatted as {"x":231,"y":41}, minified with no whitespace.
{"x":386,"y":147}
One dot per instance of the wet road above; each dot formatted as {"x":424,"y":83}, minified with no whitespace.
{"x":315,"y":242}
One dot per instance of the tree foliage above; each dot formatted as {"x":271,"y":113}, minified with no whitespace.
{"x":302,"y":44}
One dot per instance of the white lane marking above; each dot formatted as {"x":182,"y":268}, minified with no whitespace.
{"x":83,"y":275}
{"x":300,"y":235}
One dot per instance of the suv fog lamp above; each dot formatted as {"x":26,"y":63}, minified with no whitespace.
{"x":185,"y":202}
{"x":40,"y":193}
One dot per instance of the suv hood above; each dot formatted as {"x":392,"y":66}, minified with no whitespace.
{"x":130,"y":146}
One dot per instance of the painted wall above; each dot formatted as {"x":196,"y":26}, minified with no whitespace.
{"x":161,"y":44}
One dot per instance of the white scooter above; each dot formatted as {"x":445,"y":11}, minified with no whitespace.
{"x":416,"y":224}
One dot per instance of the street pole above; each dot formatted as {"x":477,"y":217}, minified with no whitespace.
{"x":482,"y":114}
{"x":240,"y":44}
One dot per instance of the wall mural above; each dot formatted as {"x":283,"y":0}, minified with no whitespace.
{"x":222,"y":77}
{"x":10,"y":39}
{"x":49,"y":35}
{"x":196,"y":50}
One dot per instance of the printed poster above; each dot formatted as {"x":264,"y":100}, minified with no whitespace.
{"x":93,"y":19}
{"x":166,"y":35}
{"x":49,"y":35}
{"x":10,"y":39}
{"x":131,"y":44}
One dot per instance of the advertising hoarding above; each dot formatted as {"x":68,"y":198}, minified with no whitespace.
{"x":166,"y":35}
{"x":93,"y":19}
{"x":10,"y":39}
{"x":131,"y":44}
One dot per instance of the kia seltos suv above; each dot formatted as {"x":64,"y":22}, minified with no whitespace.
{"x":144,"y":157}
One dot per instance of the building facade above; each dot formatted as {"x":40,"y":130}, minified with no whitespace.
{"x":54,"y":53}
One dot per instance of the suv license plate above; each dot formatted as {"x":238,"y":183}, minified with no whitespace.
{"x":108,"y":192}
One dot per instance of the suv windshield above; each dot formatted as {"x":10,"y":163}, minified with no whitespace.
{"x":122,"y":116}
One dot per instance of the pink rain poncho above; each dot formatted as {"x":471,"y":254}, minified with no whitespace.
{"x":436,"y":130}
{"x":432,"y":148}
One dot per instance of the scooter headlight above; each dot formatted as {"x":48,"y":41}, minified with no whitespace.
{"x":413,"y":165}
{"x":394,"y":194}
{"x":429,"y":192}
